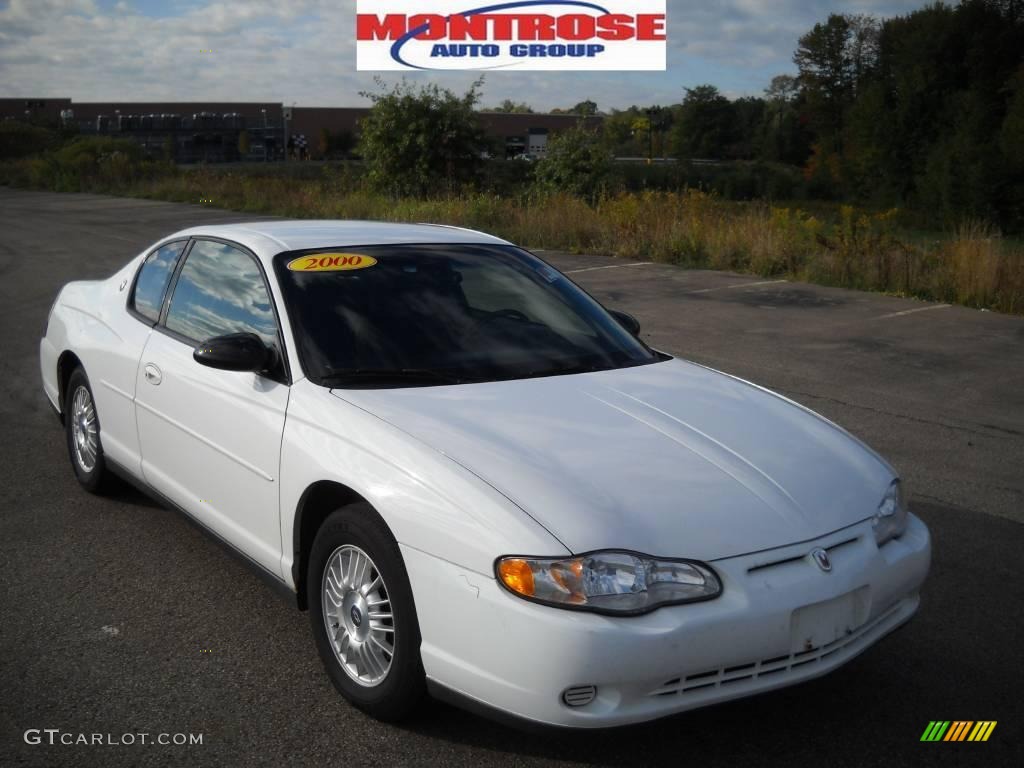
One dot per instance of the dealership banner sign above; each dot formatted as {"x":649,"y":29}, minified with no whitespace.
{"x":605,"y":35}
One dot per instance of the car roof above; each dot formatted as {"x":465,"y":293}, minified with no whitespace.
{"x":268,"y":238}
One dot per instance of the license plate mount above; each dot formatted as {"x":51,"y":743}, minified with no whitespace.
{"x":820,"y":624}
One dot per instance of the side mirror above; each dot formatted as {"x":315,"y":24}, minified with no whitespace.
{"x":234,"y":352}
{"x":627,"y":321}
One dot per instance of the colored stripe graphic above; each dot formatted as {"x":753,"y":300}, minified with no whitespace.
{"x":935,"y":730}
{"x":982,"y":730}
{"x":958,"y":730}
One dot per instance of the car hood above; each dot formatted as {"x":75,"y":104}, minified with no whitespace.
{"x":670,"y":459}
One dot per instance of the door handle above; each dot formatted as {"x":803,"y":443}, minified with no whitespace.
{"x":152,"y":374}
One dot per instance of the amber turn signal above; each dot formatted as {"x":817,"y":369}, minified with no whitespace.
{"x":517,"y":576}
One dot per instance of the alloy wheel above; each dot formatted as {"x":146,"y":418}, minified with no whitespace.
{"x":357,"y":615}
{"x":84,"y":430}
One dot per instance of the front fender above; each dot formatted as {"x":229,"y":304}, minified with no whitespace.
{"x":429,"y":502}
{"x":91,"y":320}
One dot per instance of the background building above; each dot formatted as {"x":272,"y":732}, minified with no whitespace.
{"x":213,"y":131}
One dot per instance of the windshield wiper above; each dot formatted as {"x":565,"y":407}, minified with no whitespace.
{"x":384,"y":375}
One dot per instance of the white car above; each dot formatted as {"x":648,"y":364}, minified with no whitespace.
{"x":478,"y":480}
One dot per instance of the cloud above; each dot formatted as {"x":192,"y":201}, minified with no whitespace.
{"x":220,"y":291}
{"x":302,"y":51}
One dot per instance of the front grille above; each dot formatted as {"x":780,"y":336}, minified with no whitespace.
{"x":766,"y":668}
{"x":830,"y":549}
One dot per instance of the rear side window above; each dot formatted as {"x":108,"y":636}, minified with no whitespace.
{"x":221,"y":290}
{"x":152,"y":280}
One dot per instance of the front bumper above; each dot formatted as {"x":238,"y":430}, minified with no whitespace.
{"x":503,"y":653}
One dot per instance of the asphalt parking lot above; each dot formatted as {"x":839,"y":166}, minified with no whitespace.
{"x":120,"y":617}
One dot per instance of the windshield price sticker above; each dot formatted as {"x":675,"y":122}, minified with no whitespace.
{"x":331,"y":262}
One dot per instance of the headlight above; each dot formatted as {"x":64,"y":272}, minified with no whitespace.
{"x":891,"y":518}
{"x":612,"y":582}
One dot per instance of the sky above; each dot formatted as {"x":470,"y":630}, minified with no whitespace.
{"x":303,"y":52}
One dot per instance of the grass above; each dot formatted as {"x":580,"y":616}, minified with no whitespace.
{"x":834,"y":245}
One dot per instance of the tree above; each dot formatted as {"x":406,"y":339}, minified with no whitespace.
{"x":961,"y":171}
{"x":661,"y":120}
{"x":584,"y":108}
{"x":577,"y":162}
{"x":866,"y":148}
{"x":926,"y":124}
{"x":705,"y":125}
{"x":417,"y":141}
{"x":784,"y":89}
{"x":643,"y":133}
{"x":515,"y":107}
{"x":1011,"y":133}
{"x":617,"y":130}
{"x":748,"y":117}
{"x":1011,"y":144}
{"x":832,"y":59}
{"x":782,"y":137}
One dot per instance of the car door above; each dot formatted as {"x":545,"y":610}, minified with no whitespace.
{"x":113,"y":366}
{"x":211,"y":439}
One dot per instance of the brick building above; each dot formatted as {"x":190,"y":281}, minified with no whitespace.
{"x":210,"y":131}
{"x":512,"y":133}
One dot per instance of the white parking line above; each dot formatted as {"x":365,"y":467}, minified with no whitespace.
{"x":612,"y":266}
{"x":912,"y":311}
{"x":737,"y":285}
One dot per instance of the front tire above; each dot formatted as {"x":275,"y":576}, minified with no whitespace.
{"x":82,"y":432}
{"x":362,"y":614}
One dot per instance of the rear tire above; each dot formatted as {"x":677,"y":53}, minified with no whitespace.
{"x":82,"y":433}
{"x":362,"y":614}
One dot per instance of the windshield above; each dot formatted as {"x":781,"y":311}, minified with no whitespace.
{"x":422,"y":315}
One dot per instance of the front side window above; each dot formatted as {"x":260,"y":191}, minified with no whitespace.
{"x":154,"y":275}
{"x":416,"y":315}
{"x":220,"y":290}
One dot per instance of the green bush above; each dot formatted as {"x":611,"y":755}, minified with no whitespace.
{"x":417,"y":141}
{"x":22,"y":140}
{"x":577,"y":162}
{"x":95,"y":163}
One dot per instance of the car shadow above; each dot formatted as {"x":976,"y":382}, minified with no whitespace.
{"x":749,"y":731}
{"x":126,"y":493}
